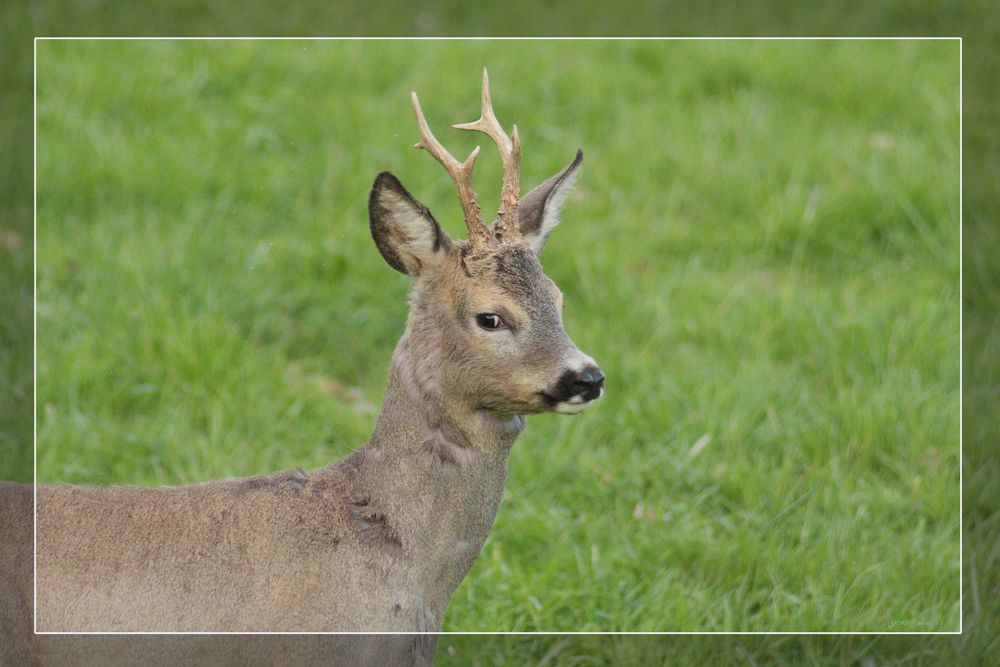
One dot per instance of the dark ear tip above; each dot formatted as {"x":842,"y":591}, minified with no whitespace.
{"x":579,"y":157}
{"x":386,"y":179}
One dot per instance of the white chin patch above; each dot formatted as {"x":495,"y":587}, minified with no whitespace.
{"x":573,"y":406}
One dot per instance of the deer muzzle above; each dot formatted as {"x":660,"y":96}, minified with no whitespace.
{"x":577,"y":387}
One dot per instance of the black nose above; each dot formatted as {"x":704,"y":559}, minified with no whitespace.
{"x":588,"y":382}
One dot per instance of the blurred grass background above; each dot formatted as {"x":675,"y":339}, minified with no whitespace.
{"x":762,"y":253}
{"x":975,"y":20}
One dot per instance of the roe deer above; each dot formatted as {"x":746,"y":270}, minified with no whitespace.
{"x":378,"y":541}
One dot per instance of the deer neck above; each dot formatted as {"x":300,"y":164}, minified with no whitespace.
{"x":434,"y":468}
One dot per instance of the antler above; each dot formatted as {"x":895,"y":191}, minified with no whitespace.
{"x":461,"y":175}
{"x":510,"y":154}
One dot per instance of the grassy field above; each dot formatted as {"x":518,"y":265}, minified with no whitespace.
{"x":763,"y":254}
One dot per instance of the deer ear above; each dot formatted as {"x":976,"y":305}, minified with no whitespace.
{"x":405,"y":232}
{"x":538,"y":211}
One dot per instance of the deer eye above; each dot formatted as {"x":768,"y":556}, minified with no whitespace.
{"x":489,"y":321}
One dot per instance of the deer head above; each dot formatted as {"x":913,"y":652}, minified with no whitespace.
{"x":485,"y":326}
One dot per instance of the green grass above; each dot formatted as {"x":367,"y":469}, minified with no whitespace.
{"x":16,"y":293}
{"x":15,"y":350}
{"x":763,"y":251}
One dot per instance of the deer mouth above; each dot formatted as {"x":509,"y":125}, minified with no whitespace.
{"x":572,"y":405}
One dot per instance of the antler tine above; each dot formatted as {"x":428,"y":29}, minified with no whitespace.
{"x":510,"y":155}
{"x":461,"y":175}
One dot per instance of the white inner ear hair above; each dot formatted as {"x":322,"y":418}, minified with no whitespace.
{"x":411,"y":231}
{"x":554,"y":205}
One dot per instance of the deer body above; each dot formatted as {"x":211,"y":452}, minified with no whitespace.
{"x":379,"y":541}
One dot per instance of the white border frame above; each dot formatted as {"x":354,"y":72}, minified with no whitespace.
{"x":961,"y":136}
